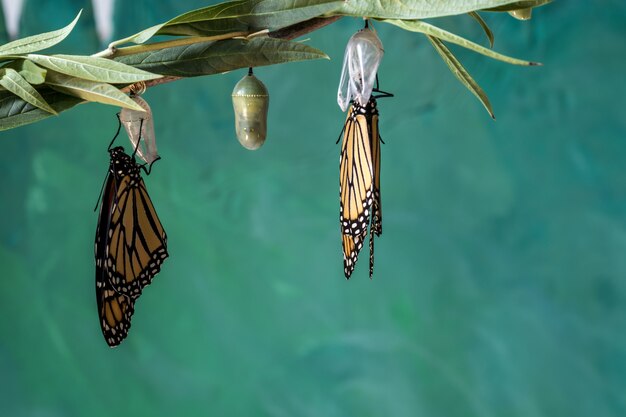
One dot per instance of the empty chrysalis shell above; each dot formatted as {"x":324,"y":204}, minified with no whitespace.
{"x":132,"y":120}
{"x":360,"y":64}
{"x":251,"y":102}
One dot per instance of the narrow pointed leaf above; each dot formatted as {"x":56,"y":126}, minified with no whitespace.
{"x":444,"y":35}
{"x":90,"y":90}
{"x":461,"y":73}
{"x":416,"y":9}
{"x":518,"y":5}
{"x":13,"y":82}
{"x":15,"y":112}
{"x":92,"y":68}
{"x":31,"y":72}
{"x":138,"y":38}
{"x":485,"y":27}
{"x":38,"y":42}
{"x":238,"y":16}
{"x":249,"y":15}
{"x":207,"y":58}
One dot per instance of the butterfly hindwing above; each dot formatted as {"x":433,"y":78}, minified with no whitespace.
{"x":138,"y":244}
{"x":114,"y":309}
{"x":356,"y":173}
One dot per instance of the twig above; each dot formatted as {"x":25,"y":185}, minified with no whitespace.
{"x":131,"y":50}
{"x":288,"y":33}
{"x":302,"y":28}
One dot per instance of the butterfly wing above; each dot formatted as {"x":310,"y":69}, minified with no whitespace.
{"x":351,"y":247}
{"x":138,"y":243}
{"x":114,"y":309}
{"x":356,"y":176}
{"x":377,"y":214}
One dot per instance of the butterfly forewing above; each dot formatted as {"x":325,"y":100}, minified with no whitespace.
{"x":356,"y":174}
{"x":139,"y":243}
{"x":114,"y":309}
{"x":351,"y":247}
{"x":356,"y":177}
{"x":359,"y":181}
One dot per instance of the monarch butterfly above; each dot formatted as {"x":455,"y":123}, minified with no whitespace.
{"x":130,"y":244}
{"x":359,"y":182}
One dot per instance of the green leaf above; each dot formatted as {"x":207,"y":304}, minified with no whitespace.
{"x":416,"y":9}
{"x":485,"y":27}
{"x":138,"y":38}
{"x":92,"y":68}
{"x":518,"y":5}
{"x":38,"y":42}
{"x":250,"y":16}
{"x":31,"y":72}
{"x":428,"y":29}
{"x":15,"y":83}
{"x":15,"y":112}
{"x":207,"y":58}
{"x":90,"y":90}
{"x":238,"y":16}
{"x":461,"y":73}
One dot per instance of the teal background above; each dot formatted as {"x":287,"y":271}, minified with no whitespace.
{"x":500,"y":281}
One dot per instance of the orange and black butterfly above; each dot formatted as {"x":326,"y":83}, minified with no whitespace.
{"x":359,"y":182}
{"x":130,"y":244}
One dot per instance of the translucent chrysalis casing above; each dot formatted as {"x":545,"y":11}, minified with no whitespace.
{"x":132,"y":120}
{"x":250,"y":103}
{"x":360,"y":65}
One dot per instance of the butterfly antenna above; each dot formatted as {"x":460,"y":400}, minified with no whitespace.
{"x":143,"y":166}
{"x":138,"y":140}
{"x":119,"y":127}
{"x":383,"y":94}
{"x":342,"y":130}
{"x":101,"y":191}
{"x":149,"y":169}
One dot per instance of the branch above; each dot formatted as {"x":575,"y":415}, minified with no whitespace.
{"x":301,"y":29}
{"x":35,"y":86}
{"x":288,"y":33}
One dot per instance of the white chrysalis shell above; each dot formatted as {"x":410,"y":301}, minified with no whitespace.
{"x":131,"y":120}
{"x":360,"y":65}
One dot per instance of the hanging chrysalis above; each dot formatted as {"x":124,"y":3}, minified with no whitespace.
{"x":522,"y":14}
{"x":133,"y":120}
{"x":251,"y":102}
{"x":360,"y":64}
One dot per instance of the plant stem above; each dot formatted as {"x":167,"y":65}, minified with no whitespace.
{"x":288,"y":33}
{"x":302,"y":28}
{"x":136,"y":49}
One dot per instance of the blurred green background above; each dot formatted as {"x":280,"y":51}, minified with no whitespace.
{"x":500,"y":281}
